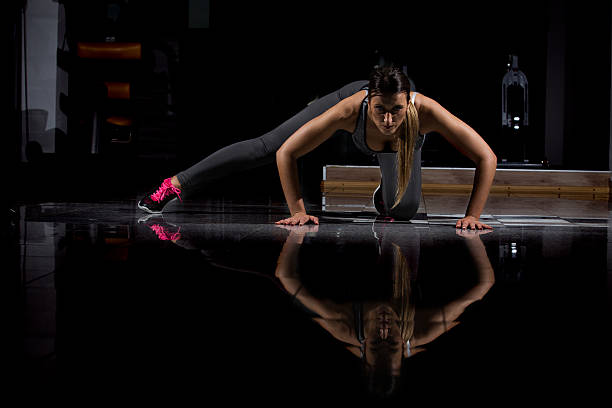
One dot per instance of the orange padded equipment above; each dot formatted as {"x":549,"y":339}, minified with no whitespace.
{"x":119,"y":120}
{"x":118,"y":90}
{"x":109,"y":50}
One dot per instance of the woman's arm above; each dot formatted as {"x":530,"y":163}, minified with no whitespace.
{"x":469,"y":143}
{"x":304,"y":140}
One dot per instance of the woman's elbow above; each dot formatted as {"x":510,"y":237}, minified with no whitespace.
{"x":493,"y":157}
{"x":280,"y":156}
{"x":282,"y":153}
{"x":488,"y":159}
{"x":285,"y":155}
{"x":492,"y":160}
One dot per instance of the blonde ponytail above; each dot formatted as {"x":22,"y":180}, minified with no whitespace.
{"x":405,"y":150}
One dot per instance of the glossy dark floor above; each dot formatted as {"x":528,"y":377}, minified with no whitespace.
{"x":199,"y":303}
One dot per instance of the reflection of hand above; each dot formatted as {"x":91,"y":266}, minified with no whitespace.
{"x":471,"y":222}
{"x":298,"y":232}
{"x":300,"y":229}
{"x":300,"y":218}
{"x":471,"y":234}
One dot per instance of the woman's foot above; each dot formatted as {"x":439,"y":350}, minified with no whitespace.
{"x":155,"y":201}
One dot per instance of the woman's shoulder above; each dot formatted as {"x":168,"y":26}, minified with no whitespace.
{"x":427,"y":105}
{"x":351,"y":105}
{"x":420,"y":100}
{"x":423,"y":105}
{"x":348,"y":109}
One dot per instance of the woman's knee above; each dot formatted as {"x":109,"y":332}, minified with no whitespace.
{"x":405,"y":210}
{"x":259,"y":148}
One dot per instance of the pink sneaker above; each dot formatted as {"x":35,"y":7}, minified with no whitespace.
{"x":155,"y":202}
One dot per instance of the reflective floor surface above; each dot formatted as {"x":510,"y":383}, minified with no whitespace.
{"x":213,"y":300}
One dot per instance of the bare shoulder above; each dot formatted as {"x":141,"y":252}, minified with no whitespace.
{"x":348,"y":109}
{"x":425,"y":104}
{"x":429,"y":111}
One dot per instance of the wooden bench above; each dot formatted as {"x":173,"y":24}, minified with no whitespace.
{"x":361,"y":181}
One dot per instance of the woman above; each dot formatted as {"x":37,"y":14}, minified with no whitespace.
{"x":386,"y":120}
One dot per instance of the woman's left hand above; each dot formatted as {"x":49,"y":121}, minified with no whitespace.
{"x":471,"y":222}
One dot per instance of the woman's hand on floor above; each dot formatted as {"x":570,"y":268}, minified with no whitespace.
{"x":299,"y":218}
{"x":471,"y":222}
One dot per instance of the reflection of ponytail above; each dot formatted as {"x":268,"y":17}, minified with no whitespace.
{"x":380,"y":380}
{"x":402,"y":300}
{"x":405,"y":150}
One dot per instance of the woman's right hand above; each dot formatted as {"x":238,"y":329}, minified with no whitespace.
{"x":299,"y":218}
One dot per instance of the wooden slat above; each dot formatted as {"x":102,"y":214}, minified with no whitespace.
{"x":353,"y":173}
{"x":519,"y":177}
{"x":366,"y":188}
{"x":431,"y":175}
{"x":331,"y":185}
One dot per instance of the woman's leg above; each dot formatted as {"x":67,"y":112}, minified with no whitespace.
{"x":248,"y":154}
{"x":409,"y":204}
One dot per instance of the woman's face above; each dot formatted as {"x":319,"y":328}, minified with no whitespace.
{"x":383,"y":337}
{"x":388,"y":112}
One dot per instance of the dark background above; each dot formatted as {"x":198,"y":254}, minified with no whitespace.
{"x":252,"y":65}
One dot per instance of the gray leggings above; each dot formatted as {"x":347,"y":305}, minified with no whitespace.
{"x":409,"y":204}
{"x":252,"y":153}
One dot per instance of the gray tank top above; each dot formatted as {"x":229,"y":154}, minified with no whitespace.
{"x":359,"y":134}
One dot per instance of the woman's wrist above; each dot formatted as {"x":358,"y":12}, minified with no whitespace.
{"x":297,"y":208}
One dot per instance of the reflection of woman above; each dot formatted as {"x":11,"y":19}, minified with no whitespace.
{"x":382,"y":333}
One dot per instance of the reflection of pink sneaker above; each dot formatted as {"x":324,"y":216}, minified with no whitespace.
{"x":155,"y":201}
{"x":164,"y":234}
{"x":164,"y":230}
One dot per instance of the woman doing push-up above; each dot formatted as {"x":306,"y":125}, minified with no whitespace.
{"x":386,"y":119}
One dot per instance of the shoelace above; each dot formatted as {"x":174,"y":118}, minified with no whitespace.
{"x":165,"y":190}
{"x":165,"y":235}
